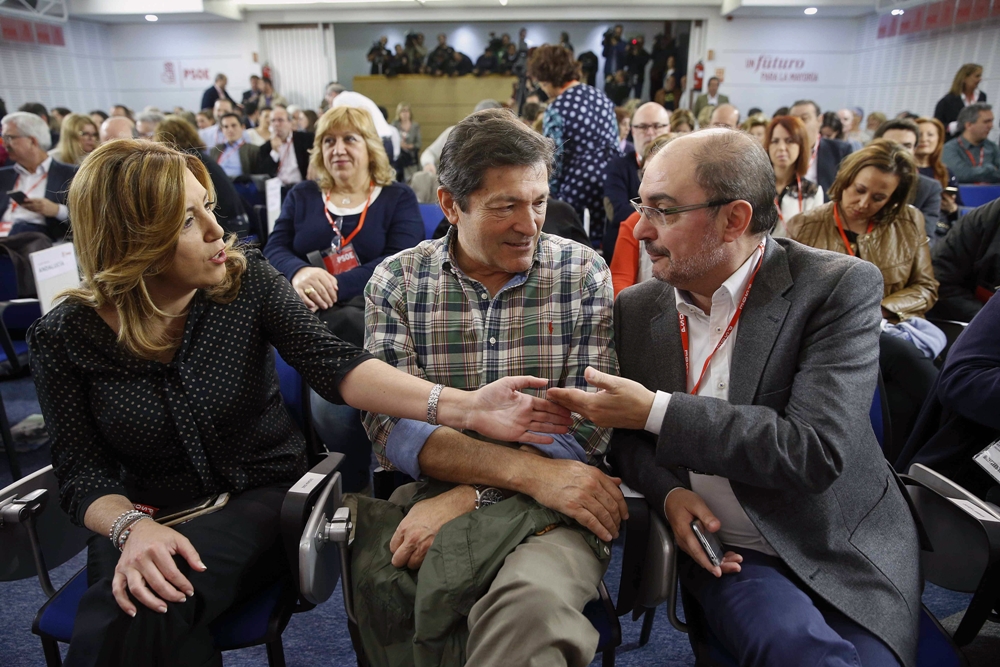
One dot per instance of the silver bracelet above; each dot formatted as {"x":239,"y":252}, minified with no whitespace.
{"x":123,"y":520}
{"x":432,"y":404}
{"x":128,"y":531}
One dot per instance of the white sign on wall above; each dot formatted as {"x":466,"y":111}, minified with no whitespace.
{"x":791,"y":69}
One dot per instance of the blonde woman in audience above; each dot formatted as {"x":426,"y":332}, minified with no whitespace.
{"x":875,"y":119}
{"x":156,"y":379}
{"x":787,"y":144}
{"x":868,"y":217}
{"x":756,"y":125}
{"x":77,"y":138}
{"x":261,"y":134}
{"x":681,"y":122}
{"x":964,"y":91}
{"x":409,"y":140}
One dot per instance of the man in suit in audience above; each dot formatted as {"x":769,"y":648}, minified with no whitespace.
{"x":549,"y":302}
{"x":748,"y":369}
{"x":971,"y":155}
{"x":710,"y":99}
{"x":927,"y":194}
{"x":287,"y":157}
{"x":43,"y":181}
{"x":253,"y":94}
{"x":967,"y":264}
{"x":216,"y":92}
{"x":827,"y":154}
{"x":236,"y":156}
{"x":622,"y":182}
{"x":213,"y":134}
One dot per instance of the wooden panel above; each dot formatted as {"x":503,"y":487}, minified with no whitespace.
{"x":436,"y":102}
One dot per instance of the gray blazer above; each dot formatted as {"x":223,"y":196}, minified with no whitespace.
{"x":927,"y":198}
{"x":794,"y":438}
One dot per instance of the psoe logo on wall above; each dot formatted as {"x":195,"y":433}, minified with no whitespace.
{"x":169,"y":73}
{"x":195,"y":74}
{"x":778,"y":69}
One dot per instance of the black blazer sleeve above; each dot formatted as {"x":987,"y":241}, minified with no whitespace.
{"x":264,"y":164}
{"x":303,"y":143}
{"x":968,"y":256}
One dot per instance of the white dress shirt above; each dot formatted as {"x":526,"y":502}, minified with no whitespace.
{"x":32,"y":184}
{"x":704,"y":332}
{"x":813,"y":159}
{"x":288,"y":164}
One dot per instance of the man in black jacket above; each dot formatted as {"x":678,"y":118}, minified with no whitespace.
{"x":827,"y":154}
{"x":967,"y":264}
{"x":216,"y":92}
{"x":43,"y":181}
{"x":288,"y":157}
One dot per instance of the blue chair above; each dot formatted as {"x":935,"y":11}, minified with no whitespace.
{"x":977,"y":195}
{"x":14,"y":314}
{"x":432,"y":215}
{"x":32,"y":539}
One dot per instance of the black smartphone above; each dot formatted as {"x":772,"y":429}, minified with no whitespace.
{"x":17,"y":196}
{"x":710,"y":544}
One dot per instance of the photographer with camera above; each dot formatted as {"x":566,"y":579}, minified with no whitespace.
{"x":379,"y":56}
{"x":614,"y":52}
{"x":636,"y":59}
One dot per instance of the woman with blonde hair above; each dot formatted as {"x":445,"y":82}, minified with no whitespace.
{"x":409,"y":136}
{"x":77,"y":138}
{"x":330,"y":236}
{"x":682,"y":121}
{"x":964,"y":91}
{"x":756,"y":125}
{"x":868,"y":217}
{"x":157,"y":382}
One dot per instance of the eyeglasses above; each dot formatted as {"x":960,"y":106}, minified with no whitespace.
{"x":658,"y":216}
{"x":11,"y":137}
{"x":650,"y":126}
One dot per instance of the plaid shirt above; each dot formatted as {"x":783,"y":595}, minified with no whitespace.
{"x":426,"y":317}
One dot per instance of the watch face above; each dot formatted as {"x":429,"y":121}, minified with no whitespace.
{"x":490,"y":497}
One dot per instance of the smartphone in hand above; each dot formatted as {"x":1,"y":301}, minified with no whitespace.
{"x":18,"y":196}
{"x":709,"y":543}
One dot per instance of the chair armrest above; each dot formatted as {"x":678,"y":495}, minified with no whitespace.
{"x":311,"y":500}
{"x":634,"y":551}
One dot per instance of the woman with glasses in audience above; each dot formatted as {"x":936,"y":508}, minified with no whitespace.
{"x":156,"y":378}
{"x":786,"y":142}
{"x":77,"y":138}
{"x":682,"y":122}
{"x":581,"y":121}
{"x":261,"y":133}
{"x":868,"y":217}
{"x":179,"y":134}
{"x":409,"y":138}
{"x":330,"y":236}
{"x":927,"y":155}
{"x":964,"y":91}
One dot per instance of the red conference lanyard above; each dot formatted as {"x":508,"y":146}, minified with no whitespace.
{"x":982,"y":153}
{"x":843,"y":236}
{"x":283,"y":153}
{"x":361,"y":222}
{"x":229,"y":148}
{"x":798,"y":183}
{"x":815,"y":151}
{"x":14,"y":204}
{"x":732,"y":325}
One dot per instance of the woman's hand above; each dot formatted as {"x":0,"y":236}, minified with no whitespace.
{"x":316,"y":287}
{"x":500,"y":411}
{"x":948,"y":204}
{"x":146,"y":568}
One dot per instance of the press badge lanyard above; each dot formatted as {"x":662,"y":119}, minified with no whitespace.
{"x":338,"y":239}
{"x":14,"y":204}
{"x":798,"y":182}
{"x":235,"y":147}
{"x":982,"y":153}
{"x":843,"y":236}
{"x":732,"y":325}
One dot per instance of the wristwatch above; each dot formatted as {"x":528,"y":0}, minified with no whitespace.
{"x":487,"y":495}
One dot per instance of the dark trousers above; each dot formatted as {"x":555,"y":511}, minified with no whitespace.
{"x":764,"y":617}
{"x":240,"y":547}
{"x":908,"y":376}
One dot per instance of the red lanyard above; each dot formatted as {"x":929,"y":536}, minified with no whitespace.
{"x":798,"y":183}
{"x":840,"y":228}
{"x":982,"y":153}
{"x":361,"y":222}
{"x":815,"y":150}
{"x":732,"y":325}
{"x":229,"y":148}
{"x":14,"y":204}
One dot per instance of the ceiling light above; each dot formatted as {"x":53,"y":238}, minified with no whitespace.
{"x":810,"y":11}
{"x":503,"y":3}
{"x":152,"y":18}
{"x":897,"y":12}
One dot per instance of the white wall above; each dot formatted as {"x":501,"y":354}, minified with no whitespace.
{"x":79,"y":75}
{"x":354,"y":40}
{"x":145,"y":54}
{"x":912,"y":72}
{"x":770,"y":63}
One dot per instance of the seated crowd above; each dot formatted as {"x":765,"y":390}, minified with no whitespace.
{"x":694,"y":303}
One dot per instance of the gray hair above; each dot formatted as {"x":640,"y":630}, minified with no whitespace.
{"x":30,"y":125}
{"x":970,"y":114}
{"x":733,"y":165}
{"x":334,"y":87}
{"x":488,"y":139}
{"x":487,"y":104}
{"x":150,"y":117}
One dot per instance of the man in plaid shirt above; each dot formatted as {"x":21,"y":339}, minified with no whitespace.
{"x":496,"y":298}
